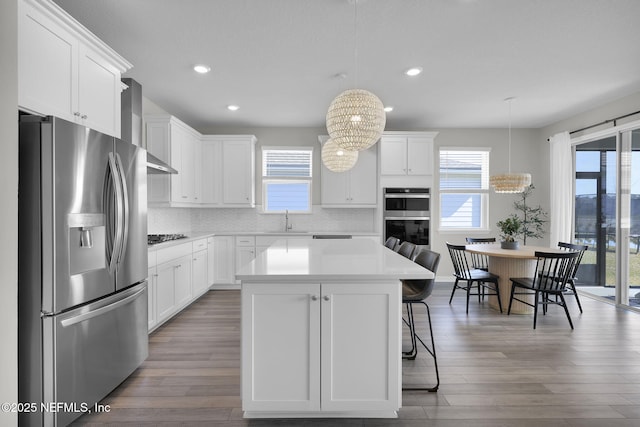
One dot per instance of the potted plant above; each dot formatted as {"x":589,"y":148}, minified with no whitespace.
{"x":533,"y":218}
{"x":510,"y":229}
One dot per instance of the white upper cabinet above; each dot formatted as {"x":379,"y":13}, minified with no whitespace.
{"x":239,"y":164}
{"x":177,"y":144}
{"x":213,"y":170}
{"x":228,"y":170}
{"x":408,"y":153}
{"x":356,"y":187}
{"x":65,"y":71}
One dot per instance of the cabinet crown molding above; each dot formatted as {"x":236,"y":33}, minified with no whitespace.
{"x":69,"y":23}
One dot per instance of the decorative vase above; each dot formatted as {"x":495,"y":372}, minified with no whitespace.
{"x":510,"y":245}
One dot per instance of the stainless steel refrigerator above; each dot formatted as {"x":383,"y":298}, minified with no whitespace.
{"x":82,"y":254}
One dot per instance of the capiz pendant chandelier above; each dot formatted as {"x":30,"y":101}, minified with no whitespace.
{"x":356,"y":118}
{"x":510,"y":182}
{"x":336,"y":158}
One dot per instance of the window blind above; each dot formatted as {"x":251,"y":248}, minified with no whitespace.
{"x":464,"y":169}
{"x":464,"y":185}
{"x":282,"y":163}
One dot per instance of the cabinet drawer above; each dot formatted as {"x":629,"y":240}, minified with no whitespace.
{"x":166,"y":254}
{"x":245,"y":240}
{"x":199,"y":245}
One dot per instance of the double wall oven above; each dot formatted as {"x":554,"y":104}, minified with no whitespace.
{"x":407,"y":215}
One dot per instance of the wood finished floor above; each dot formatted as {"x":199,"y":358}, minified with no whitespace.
{"x":495,"y":370}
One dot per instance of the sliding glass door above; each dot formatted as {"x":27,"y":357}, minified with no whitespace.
{"x":595,"y":214}
{"x":607,"y":216}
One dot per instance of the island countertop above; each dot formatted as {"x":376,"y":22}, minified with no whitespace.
{"x":330,"y":260}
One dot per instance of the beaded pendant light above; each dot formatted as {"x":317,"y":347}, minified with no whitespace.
{"x":337,"y":159}
{"x":356,"y":118}
{"x":510,"y":182}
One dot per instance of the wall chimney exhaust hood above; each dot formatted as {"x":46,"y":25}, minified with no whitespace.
{"x":131,"y":124}
{"x":155,"y":165}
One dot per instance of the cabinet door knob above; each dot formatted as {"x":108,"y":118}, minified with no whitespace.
{"x":84,"y":116}
{"x":76,"y":114}
{"x":314,"y":297}
{"x":326,"y":297}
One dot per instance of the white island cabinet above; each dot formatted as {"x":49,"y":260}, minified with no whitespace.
{"x":321,"y":329}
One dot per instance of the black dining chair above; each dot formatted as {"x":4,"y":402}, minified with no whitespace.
{"x":480,"y":261}
{"x":392,"y":242}
{"x":553,"y":271}
{"x":473,"y":277}
{"x":407,"y":250}
{"x":415,"y":292}
{"x":571,"y":283}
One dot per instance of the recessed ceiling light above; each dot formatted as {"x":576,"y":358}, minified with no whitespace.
{"x":233,"y":107}
{"x":202,"y":69}
{"x":411,"y":72}
{"x":388,"y":109}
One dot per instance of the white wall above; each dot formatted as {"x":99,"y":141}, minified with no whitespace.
{"x":526,"y":156}
{"x":9,"y":208}
{"x":621,"y":107}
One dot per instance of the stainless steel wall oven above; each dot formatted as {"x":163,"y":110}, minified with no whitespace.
{"x":407,"y":215}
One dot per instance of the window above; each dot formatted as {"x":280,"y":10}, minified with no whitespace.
{"x":464,"y":188}
{"x":286,"y":179}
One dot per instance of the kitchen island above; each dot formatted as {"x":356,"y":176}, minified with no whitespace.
{"x":321,"y":329}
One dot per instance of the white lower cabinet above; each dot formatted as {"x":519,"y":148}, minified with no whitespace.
{"x":165,"y":295}
{"x":177,"y":275}
{"x":183,"y":280}
{"x":245,"y":250}
{"x":199,"y":273}
{"x":327,"y":348}
{"x":224,"y":270}
{"x":211,"y":261}
{"x":152,"y":277}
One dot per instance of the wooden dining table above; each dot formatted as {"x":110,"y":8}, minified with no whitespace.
{"x":508,"y":263}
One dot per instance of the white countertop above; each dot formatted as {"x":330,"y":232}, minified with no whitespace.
{"x":191,"y":236}
{"x":330,"y":260}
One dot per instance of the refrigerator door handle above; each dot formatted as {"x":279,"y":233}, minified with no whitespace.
{"x":125,"y":207}
{"x":117,"y":237}
{"x":97,"y":312}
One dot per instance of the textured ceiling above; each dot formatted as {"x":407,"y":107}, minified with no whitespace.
{"x":279,"y":60}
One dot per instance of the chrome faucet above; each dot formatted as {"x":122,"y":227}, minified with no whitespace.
{"x":287,"y":226}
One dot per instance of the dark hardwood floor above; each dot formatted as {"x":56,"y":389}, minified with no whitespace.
{"x":495,"y":370}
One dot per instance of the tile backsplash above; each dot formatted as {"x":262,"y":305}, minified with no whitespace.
{"x":184,"y":220}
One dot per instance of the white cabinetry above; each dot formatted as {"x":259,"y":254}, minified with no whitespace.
{"x":356,"y":187}
{"x":199,"y":268}
{"x":245,"y":250}
{"x":211,"y":261}
{"x":165,"y":298}
{"x":171,"y":281}
{"x":225,"y":273}
{"x":182,"y":281}
{"x":152,"y":278}
{"x":65,"y":71}
{"x":178,"y":145}
{"x":408,"y":153}
{"x":303,"y":347}
{"x":228,"y":165}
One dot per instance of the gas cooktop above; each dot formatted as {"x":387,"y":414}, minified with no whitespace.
{"x":153,"y":239}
